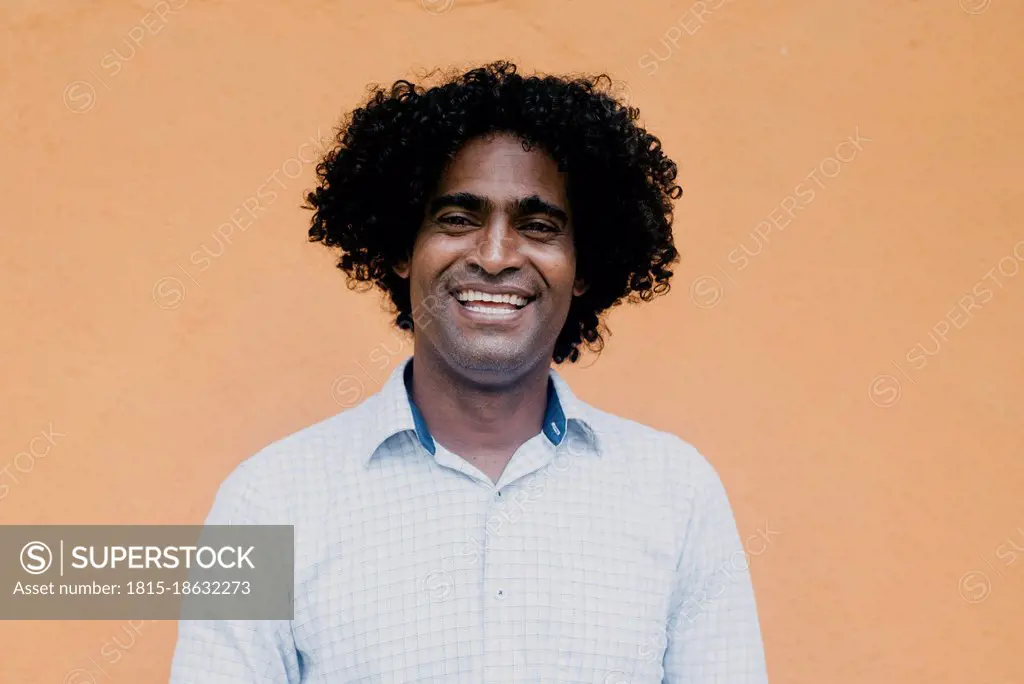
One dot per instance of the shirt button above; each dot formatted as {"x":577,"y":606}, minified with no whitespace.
{"x":500,"y":593}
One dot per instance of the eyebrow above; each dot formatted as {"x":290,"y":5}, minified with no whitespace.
{"x":524,"y":205}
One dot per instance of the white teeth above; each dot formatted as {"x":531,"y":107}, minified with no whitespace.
{"x":491,"y":311}
{"x":477,"y":296}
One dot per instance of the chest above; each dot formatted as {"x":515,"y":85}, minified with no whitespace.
{"x":544,"y":581}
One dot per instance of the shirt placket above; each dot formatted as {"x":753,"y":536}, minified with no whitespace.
{"x":503,"y":572}
{"x":499,"y":639}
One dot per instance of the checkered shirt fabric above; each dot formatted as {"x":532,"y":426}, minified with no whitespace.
{"x":606,"y":553}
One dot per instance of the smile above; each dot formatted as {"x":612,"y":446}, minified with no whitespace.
{"x":492,"y":305}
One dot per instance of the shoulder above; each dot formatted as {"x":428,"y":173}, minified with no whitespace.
{"x":662,"y":463}
{"x":293,"y":473}
{"x":677,"y":489}
{"x":625,"y":438}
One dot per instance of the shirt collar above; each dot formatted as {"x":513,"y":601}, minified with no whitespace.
{"x":392,"y":411}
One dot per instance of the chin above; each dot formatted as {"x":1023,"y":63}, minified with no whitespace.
{"x":483,"y":359}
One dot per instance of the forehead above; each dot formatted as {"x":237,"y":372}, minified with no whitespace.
{"x":498,"y":166}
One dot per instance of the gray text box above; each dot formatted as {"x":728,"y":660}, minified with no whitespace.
{"x":146,"y":572}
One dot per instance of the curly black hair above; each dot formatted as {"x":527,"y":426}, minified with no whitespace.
{"x":389,"y":155}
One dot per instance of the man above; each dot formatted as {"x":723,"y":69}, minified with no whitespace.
{"x":474,"y":521}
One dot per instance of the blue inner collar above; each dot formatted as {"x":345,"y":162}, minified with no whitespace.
{"x":554,"y":429}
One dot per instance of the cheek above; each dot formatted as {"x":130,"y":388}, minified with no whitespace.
{"x":427,"y":263}
{"x":559,"y":270}
{"x":436,"y":253}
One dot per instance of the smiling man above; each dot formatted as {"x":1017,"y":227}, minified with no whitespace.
{"x":474,"y":521}
{"x":496,"y":245}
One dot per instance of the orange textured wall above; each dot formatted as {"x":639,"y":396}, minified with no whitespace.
{"x":843,"y":341}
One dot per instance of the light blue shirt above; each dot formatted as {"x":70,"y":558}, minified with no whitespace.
{"x":606,"y":553}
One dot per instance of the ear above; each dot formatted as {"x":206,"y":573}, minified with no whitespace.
{"x":579,"y":287}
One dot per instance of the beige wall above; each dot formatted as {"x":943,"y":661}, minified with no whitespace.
{"x":161,"y":371}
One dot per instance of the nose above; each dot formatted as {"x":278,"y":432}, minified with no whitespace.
{"x":497,"y":247}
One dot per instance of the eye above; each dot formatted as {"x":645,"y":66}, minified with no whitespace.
{"x":454,"y":220}
{"x":540,"y":227}
{"x":457,"y":224}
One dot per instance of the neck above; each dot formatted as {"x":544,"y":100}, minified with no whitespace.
{"x":483,"y":422}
